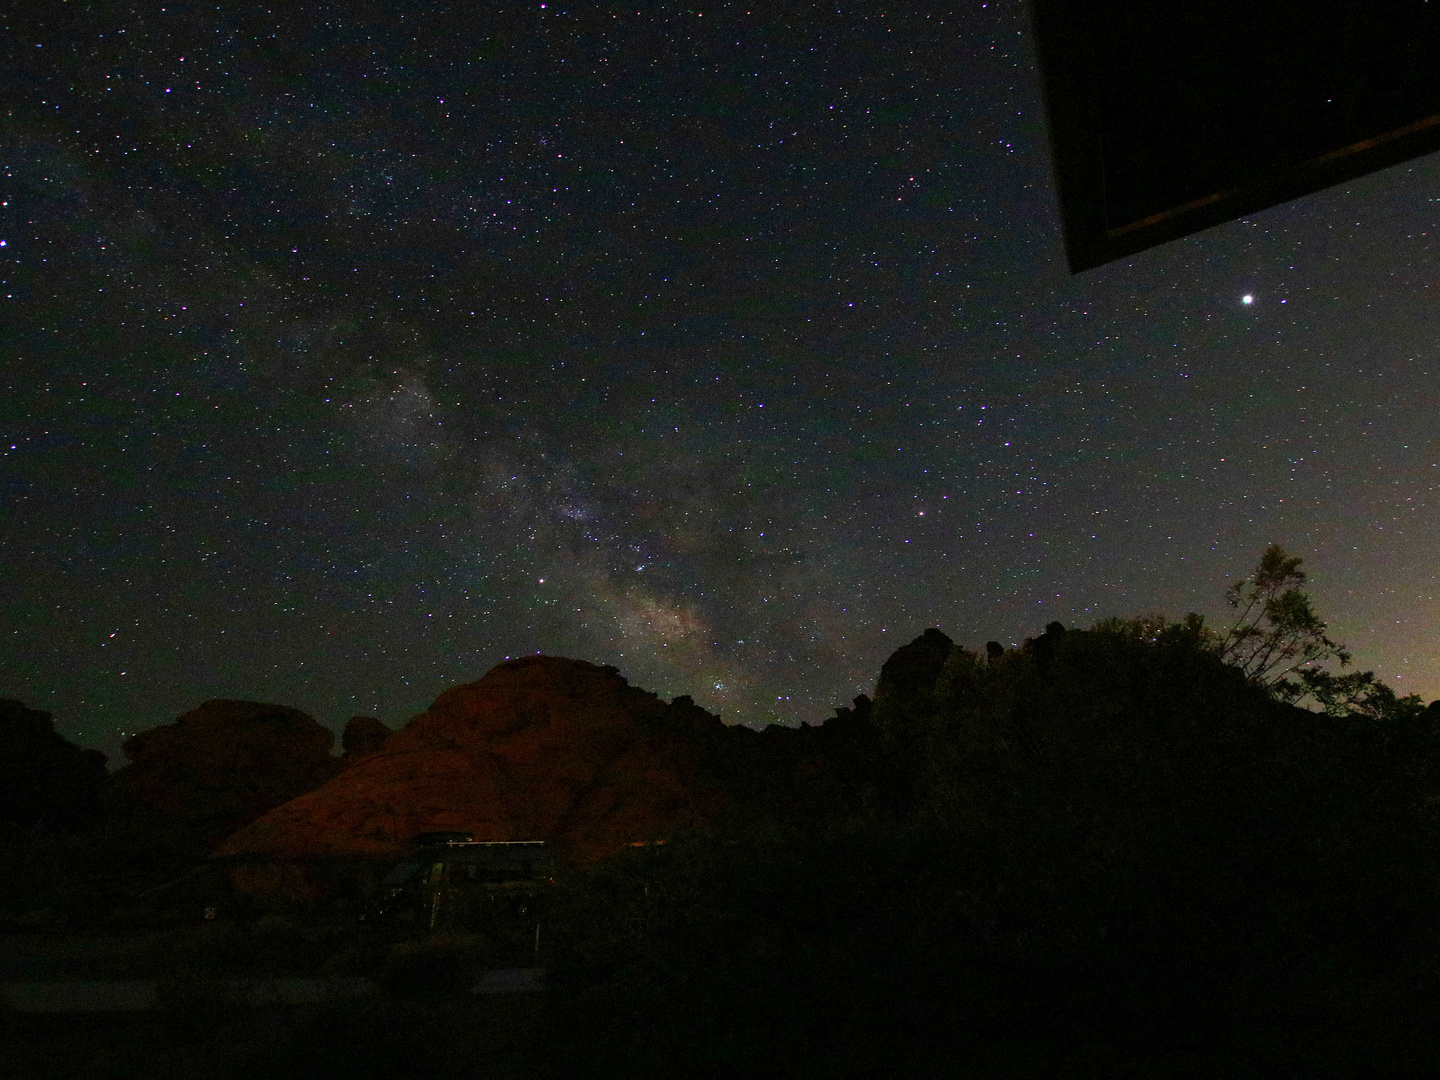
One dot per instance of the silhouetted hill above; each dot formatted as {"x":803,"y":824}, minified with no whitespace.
{"x":47,"y":783}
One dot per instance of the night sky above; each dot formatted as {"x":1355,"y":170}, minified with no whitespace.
{"x":348,"y":349}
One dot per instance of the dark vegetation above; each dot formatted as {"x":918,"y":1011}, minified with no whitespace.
{"x":1127,"y":850}
{"x":1121,"y":851}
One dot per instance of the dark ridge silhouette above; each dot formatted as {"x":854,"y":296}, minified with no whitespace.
{"x":48,"y":785}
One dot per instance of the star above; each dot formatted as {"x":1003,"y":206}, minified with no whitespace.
{"x":495,"y":415}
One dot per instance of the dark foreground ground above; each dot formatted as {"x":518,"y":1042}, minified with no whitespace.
{"x":440,"y":1038}
{"x":417,"y":1017}
{"x":205,"y":1037}
{"x":421,"y":1021}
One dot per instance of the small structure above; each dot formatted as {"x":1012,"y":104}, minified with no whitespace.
{"x":496,"y":889}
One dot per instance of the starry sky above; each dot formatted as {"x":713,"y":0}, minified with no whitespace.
{"x":348,"y":349}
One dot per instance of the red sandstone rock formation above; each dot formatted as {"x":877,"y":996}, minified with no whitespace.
{"x":540,"y":748}
{"x":219,"y":767}
{"x":545,"y":748}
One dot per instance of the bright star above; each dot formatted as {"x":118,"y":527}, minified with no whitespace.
{"x":1247,"y":299}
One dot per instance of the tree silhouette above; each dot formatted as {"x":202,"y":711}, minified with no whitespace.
{"x":1279,"y":642}
{"x":1276,"y":632}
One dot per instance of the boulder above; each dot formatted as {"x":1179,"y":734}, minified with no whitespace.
{"x":908,"y":678}
{"x":219,"y":767}
{"x":912,"y":669}
{"x":47,"y":783}
{"x":363,"y":736}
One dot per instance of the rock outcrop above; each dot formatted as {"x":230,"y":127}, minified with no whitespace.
{"x":47,"y":783}
{"x":219,"y":767}
{"x":363,"y":736}
{"x":909,"y":675}
{"x":540,"y":748}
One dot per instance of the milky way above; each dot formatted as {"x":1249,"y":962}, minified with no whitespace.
{"x":346,"y":354}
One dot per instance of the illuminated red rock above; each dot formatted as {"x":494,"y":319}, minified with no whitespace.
{"x":540,"y":748}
